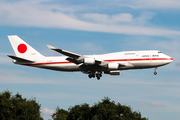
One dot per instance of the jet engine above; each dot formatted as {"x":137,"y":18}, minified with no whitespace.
{"x":112,"y":66}
{"x":89,"y":61}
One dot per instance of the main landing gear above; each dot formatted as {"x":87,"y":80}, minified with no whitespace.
{"x":98,"y":75}
{"x":155,"y":73}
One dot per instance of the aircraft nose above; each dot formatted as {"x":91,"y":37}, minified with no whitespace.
{"x":169,"y":60}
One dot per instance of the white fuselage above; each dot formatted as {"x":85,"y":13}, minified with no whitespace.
{"x":93,"y":65}
{"x":136,"y":59}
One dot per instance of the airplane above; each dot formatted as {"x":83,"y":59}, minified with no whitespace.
{"x":93,"y":65}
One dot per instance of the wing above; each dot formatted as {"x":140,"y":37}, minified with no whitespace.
{"x":64,"y":52}
{"x":72,"y":57}
{"x":88,"y":63}
{"x":76,"y":58}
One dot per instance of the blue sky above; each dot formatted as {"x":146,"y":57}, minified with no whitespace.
{"x":94,"y":27}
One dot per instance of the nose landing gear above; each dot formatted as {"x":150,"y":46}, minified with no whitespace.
{"x":155,"y":73}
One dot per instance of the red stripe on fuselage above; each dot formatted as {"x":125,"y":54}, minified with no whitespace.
{"x":141,"y":59}
{"x":118,"y":60}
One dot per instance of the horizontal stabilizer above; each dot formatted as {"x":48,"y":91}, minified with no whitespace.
{"x":18,"y":59}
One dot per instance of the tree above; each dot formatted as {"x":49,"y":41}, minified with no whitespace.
{"x":60,"y":114}
{"x":80,"y":112}
{"x":16,"y":107}
{"x":105,"y":110}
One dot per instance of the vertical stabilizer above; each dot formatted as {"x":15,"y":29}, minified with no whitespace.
{"x":22,"y":49}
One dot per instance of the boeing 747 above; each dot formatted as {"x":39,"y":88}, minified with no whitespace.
{"x":93,"y":65}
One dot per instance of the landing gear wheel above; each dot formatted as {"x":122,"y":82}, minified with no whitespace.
{"x":89,"y":76}
{"x":155,"y":73}
{"x":98,"y":76}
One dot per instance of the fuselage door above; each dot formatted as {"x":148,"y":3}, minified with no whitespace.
{"x":150,"y":58}
{"x":137,"y":54}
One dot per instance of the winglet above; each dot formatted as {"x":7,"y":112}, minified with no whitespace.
{"x":51,"y":47}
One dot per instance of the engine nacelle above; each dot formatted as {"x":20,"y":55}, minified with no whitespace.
{"x":89,"y":61}
{"x":113,"y":66}
{"x":116,"y":72}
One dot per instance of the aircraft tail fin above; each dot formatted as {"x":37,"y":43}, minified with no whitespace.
{"x":22,"y":49}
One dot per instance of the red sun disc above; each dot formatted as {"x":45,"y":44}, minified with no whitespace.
{"x":22,"y":48}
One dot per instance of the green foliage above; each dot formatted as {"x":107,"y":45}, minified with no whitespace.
{"x":81,"y":112}
{"x":18,"y":108}
{"x":105,"y":110}
{"x":60,"y":114}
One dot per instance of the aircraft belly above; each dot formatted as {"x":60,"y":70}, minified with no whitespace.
{"x":66,"y":67}
{"x":59,"y":67}
{"x":148,"y":64}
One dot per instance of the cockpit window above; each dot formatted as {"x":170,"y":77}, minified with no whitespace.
{"x":159,"y":52}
